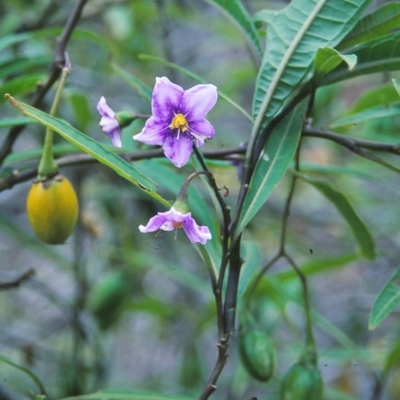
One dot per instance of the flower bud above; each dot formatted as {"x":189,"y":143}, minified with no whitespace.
{"x":52,"y":208}
{"x":302,"y":382}
{"x":257,"y":353}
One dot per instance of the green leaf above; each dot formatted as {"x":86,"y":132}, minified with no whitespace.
{"x":293,"y":39}
{"x":251,"y":257}
{"x":277,"y":154}
{"x":21,"y":85}
{"x":139,"y":86}
{"x":392,"y":359}
{"x":21,"y":65}
{"x":357,"y":226}
{"x":386,"y":302}
{"x":9,"y":122}
{"x":380,"y":55}
{"x":90,"y":146}
{"x":235,"y":10}
{"x":383,"y":94}
{"x":266,"y":16}
{"x":26,"y":371}
{"x":317,"y":266}
{"x":80,"y":104}
{"x":376,"y":24}
{"x":377,"y":112}
{"x":396,"y":84}
{"x":126,"y":394}
{"x":196,"y":78}
{"x":327,"y":59}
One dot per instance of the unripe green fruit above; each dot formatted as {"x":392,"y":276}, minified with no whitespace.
{"x":107,"y":298}
{"x":52,"y":208}
{"x":302,"y":382}
{"x":257,"y":353}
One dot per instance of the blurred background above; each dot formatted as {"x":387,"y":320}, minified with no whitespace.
{"x":116,"y":308}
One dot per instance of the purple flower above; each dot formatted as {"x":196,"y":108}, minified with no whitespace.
{"x":173,"y":219}
{"x":178,"y":118}
{"x":109,"y":123}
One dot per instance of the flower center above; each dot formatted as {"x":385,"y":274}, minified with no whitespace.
{"x":177,"y":224}
{"x":179,"y":122}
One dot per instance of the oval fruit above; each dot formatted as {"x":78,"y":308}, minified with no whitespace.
{"x":107,"y":298}
{"x":257,"y":353}
{"x":302,"y":382}
{"x":52,"y":208}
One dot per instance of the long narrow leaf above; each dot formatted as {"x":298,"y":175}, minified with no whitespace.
{"x":26,"y":371}
{"x":90,"y":146}
{"x":294,"y":37}
{"x":235,"y":9}
{"x":278,"y":152}
{"x":380,"y":55}
{"x":386,"y":302}
{"x":376,"y":24}
{"x":342,"y":204}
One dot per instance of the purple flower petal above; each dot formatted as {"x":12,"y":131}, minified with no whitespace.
{"x":154,"y":132}
{"x":154,"y":224}
{"x":196,"y":233}
{"x":178,"y":117}
{"x":174,"y":219}
{"x":166,"y":99}
{"x":109,"y":123}
{"x":198,"y":101}
{"x":178,"y":150}
{"x":201,"y":130}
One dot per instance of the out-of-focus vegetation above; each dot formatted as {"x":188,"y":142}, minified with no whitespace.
{"x":114,"y":309}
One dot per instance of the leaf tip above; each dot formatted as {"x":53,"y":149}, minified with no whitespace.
{"x":11,"y":99}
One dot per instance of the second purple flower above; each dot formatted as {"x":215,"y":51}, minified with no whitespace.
{"x":178,"y":118}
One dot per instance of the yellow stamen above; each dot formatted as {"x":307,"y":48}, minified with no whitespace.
{"x":179,"y":122}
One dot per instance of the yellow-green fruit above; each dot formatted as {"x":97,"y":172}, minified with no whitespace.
{"x":106,"y":299}
{"x":52,"y":208}
{"x":302,"y":382}
{"x":257,"y":353}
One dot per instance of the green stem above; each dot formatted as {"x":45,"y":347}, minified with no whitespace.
{"x":47,"y":166}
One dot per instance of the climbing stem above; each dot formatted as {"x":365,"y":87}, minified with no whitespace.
{"x":47,"y":166}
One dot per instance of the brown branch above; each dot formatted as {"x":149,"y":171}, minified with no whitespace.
{"x":351,"y":142}
{"x":58,"y":64}
{"x":16,"y":282}
{"x":17,"y":177}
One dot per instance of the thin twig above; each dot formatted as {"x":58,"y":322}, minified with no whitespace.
{"x":16,"y":282}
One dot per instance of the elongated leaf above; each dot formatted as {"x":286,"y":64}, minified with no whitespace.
{"x":271,"y":166}
{"x":8,"y":122}
{"x":21,"y":85}
{"x":26,"y":371}
{"x":357,"y":226}
{"x":396,"y":84}
{"x":317,"y":266}
{"x":386,"y":302}
{"x":251,"y":257}
{"x":376,"y":24}
{"x":90,"y":146}
{"x":377,"y":112}
{"x":265,"y":16}
{"x":138,"y":85}
{"x":393,"y":358}
{"x":380,"y":55}
{"x":327,"y":59}
{"x":195,"y":77}
{"x":383,"y":94}
{"x":293,"y":39}
{"x":126,"y":394}
{"x":235,"y":10}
